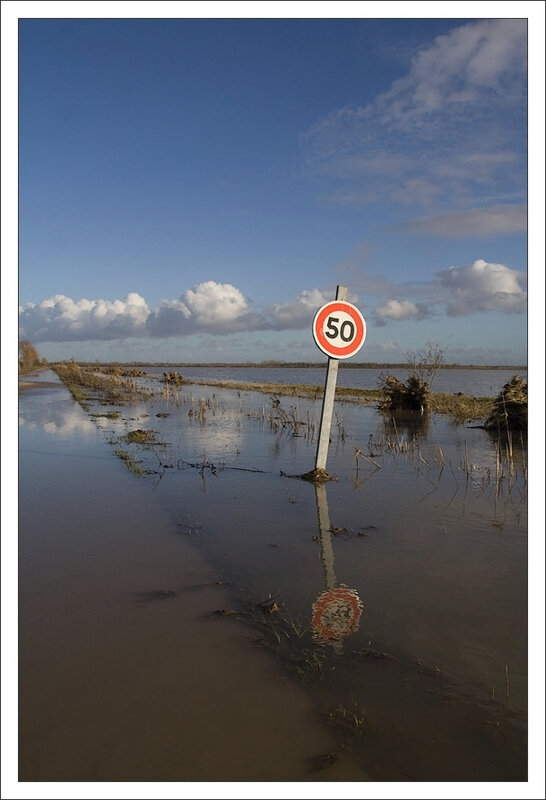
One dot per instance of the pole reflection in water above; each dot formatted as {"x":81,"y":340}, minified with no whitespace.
{"x":336,"y":611}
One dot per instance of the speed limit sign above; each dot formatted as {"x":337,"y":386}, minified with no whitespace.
{"x":339,"y":329}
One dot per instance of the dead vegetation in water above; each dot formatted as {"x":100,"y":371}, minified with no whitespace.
{"x":82,"y":381}
{"x":509,"y":412}
{"x":458,"y":406}
{"x":393,"y":394}
{"x":349,"y":721}
{"x":140,"y":436}
{"x":173,"y":378}
{"x":289,"y":639}
{"x":123,"y":372}
{"x":317,"y":475}
{"x":130,"y":462}
{"x":410,"y":396}
{"x":199,"y":411}
{"x":291,"y":420}
{"x":414,"y":394}
{"x":508,"y":471}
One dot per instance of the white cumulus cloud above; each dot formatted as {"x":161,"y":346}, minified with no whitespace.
{"x":213,"y":303}
{"x":59,"y":318}
{"x":209,"y":307}
{"x":398,"y":310}
{"x":483,"y":286}
{"x":299,"y":312}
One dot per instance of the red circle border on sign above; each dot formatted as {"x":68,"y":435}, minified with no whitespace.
{"x":320,"y":606}
{"x":324,"y":344}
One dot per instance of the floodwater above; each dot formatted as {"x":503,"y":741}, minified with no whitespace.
{"x":190,"y":609}
{"x":474,"y":382}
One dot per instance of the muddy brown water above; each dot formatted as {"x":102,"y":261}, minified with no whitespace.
{"x":127,"y":671}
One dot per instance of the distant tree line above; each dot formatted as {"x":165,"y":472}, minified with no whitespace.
{"x":404,"y":365}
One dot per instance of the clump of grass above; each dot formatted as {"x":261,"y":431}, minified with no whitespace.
{"x":509,"y":411}
{"x":317,"y":475}
{"x":140,"y":436}
{"x":310,"y":665}
{"x":350,"y":721}
{"x":108,"y":415}
{"x":173,"y":378}
{"x":132,"y":465}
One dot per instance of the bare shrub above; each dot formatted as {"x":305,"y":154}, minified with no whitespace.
{"x":425,"y":364}
{"x":414,"y":394}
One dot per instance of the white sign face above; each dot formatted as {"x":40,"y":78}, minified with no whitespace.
{"x":339,"y":329}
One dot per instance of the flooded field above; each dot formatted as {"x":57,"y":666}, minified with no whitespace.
{"x":474,"y":382}
{"x":191,"y":609}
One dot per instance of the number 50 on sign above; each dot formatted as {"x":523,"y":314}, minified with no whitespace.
{"x":339,"y":329}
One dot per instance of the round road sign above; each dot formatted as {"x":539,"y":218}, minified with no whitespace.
{"x":336,"y":614}
{"x":339,"y":329}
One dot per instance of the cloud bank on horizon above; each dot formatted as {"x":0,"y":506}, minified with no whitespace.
{"x":221,"y":308}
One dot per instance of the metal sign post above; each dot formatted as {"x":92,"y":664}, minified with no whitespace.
{"x":339,"y":331}
{"x":328,"y":401}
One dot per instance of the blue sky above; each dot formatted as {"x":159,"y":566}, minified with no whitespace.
{"x":194,"y":189}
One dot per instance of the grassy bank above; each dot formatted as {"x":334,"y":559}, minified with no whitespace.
{"x":87,"y":384}
{"x":457,"y":406}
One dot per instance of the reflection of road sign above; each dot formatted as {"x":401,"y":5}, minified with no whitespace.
{"x":339,"y":329}
{"x":336,"y":614}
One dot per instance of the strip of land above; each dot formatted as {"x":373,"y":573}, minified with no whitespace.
{"x":80,"y":380}
{"x":293,"y":365}
{"x":459,"y":406}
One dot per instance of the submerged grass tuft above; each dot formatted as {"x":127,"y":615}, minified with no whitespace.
{"x":132,"y":465}
{"x":140,"y":436}
{"x":350,"y":721}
